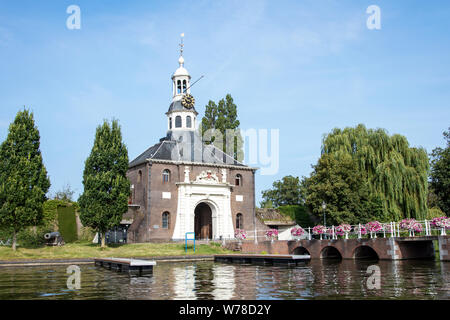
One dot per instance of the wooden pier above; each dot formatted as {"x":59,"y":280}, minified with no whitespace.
{"x":263,"y":259}
{"x":130,"y":266}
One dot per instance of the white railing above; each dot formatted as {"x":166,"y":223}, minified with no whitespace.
{"x":389,"y":229}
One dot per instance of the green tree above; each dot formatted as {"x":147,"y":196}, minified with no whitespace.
{"x":23,"y":177}
{"x":221,"y":119}
{"x":343,"y":189}
{"x":106,"y":187}
{"x":395,"y":174}
{"x":287,"y":191}
{"x":440,"y":175}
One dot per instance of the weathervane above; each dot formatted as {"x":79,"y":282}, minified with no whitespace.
{"x":181,"y":45}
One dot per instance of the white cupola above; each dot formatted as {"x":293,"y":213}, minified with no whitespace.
{"x":182,"y":115}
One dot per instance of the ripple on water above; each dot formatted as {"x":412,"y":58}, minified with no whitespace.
{"x":208,"y":280}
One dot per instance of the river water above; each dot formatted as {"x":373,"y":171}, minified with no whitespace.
{"x":317,"y":279}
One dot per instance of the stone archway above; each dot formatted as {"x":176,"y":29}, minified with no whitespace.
{"x":330,"y":252}
{"x":301,"y":251}
{"x":203,"y":227}
{"x":365,"y":252}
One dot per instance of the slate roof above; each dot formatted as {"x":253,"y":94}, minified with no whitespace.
{"x":185,"y":146}
{"x":271,"y":216}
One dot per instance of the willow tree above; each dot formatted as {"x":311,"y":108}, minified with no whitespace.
{"x":23,"y":177}
{"x":395,"y":172}
{"x":106,"y":187}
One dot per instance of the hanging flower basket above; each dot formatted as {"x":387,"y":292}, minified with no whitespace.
{"x":343,"y":229}
{"x":240,"y":234}
{"x":411,"y":225}
{"x":319,"y":229}
{"x":271,"y":234}
{"x":441,"y":222}
{"x":297,"y":232}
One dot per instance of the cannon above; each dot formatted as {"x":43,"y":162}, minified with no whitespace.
{"x":54,"y":239}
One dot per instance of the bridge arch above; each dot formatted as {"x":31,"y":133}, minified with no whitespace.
{"x":330,"y":252}
{"x":365,"y":252}
{"x":300,"y":251}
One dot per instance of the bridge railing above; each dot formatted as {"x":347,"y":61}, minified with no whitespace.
{"x":389,"y":229}
{"x":385,"y":230}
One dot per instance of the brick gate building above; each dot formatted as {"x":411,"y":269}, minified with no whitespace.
{"x":182,"y":185}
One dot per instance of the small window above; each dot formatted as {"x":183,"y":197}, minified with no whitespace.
{"x":165,"y":220}
{"x":170,"y":123}
{"x":179,"y":86}
{"x":184,"y":86}
{"x":238,"y":180}
{"x":166,"y":175}
{"x":139,"y":179}
{"x":239,"y":221}
{"x":178,"y":122}
{"x":188,"y":121}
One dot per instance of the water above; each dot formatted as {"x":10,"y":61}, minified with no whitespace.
{"x":316,"y":279}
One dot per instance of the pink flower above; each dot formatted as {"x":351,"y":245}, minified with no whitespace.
{"x":297,"y":232}
{"x":272,"y":233}
{"x":240,"y":234}
{"x":361,"y":229}
{"x":319,"y":229}
{"x":374,"y":226}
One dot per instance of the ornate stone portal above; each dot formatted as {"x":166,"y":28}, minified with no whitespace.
{"x":204,"y":189}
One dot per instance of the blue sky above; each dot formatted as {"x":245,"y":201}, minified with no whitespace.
{"x":304,"y":67}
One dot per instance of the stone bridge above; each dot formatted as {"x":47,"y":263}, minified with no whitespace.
{"x":392,"y":248}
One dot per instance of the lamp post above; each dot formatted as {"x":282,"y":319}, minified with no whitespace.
{"x":324,"y":206}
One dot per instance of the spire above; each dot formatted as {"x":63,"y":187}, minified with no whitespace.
{"x":181,"y":59}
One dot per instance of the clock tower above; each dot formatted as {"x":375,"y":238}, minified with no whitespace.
{"x":182,"y":115}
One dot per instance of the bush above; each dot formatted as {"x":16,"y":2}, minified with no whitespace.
{"x":67,"y":224}
{"x":30,"y":237}
{"x":434,"y":213}
{"x":298,"y":213}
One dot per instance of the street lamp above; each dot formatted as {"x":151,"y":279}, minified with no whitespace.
{"x":324,"y":206}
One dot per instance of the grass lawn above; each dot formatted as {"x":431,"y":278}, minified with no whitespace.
{"x":89,"y":250}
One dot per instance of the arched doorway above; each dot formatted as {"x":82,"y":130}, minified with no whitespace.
{"x":330,"y":253}
{"x":203,"y":221}
{"x":365,"y":252}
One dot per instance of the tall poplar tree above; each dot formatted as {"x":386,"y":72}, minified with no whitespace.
{"x":223,"y":118}
{"x":106,"y":187}
{"x":23,"y":176}
{"x":396,"y":174}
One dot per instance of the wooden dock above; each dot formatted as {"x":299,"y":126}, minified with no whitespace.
{"x":130,"y":266}
{"x":263,"y":259}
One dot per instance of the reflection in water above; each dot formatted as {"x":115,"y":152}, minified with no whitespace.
{"x":316,"y":279}
{"x":184,"y":284}
{"x":223,"y":281}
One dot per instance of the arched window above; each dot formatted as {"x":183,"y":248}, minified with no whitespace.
{"x":178,"y":122}
{"x":179,"y":86}
{"x":188,"y":121}
{"x":238,"y":180}
{"x":184,"y":86}
{"x":139,"y":179}
{"x":166,"y":175}
{"x":239,"y":221}
{"x":170,"y":123}
{"x":165,"y":220}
